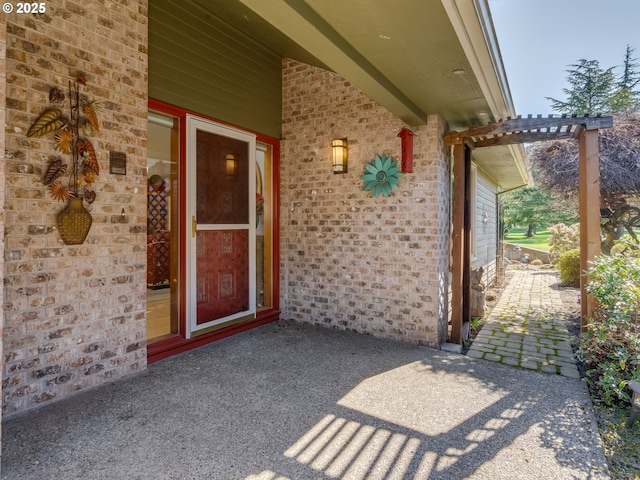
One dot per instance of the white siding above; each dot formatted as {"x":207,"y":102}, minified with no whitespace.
{"x":484,"y":218}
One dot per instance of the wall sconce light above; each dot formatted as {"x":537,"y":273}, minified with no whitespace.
{"x":635,"y":402}
{"x":339,"y":155}
{"x":230,"y":164}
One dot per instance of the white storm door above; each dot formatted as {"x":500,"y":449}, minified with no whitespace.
{"x":221,"y":214}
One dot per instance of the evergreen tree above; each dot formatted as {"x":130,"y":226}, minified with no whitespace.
{"x":535,"y":207}
{"x":627,"y":97}
{"x":592,"y":90}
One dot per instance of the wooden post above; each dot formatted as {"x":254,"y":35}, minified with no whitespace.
{"x":466,"y":262}
{"x":589,"y":194}
{"x":461,"y":280}
{"x":457,"y":250}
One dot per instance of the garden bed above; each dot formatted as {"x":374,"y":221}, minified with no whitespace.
{"x":621,"y":444}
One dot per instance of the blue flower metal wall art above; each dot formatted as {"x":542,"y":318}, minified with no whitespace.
{"x":381,"y":176}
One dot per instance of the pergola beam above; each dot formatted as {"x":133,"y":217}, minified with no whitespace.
{"x":522,"y":137}
{"x":534,"y":123}
{"x":554,"y":128}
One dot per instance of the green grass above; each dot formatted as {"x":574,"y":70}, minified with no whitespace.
{"x":540,"y":241}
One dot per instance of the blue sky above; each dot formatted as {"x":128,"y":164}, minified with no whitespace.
{"x":540,"y":38}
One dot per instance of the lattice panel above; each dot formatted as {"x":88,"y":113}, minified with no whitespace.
{"x":156,"y":208}
{"x":157,"y":235}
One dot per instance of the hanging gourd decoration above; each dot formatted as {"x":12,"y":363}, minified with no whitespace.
{"x":74,"y":221}
{"x":381,"y":176}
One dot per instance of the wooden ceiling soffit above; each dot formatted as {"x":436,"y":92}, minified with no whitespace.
{"x":528,"y":130}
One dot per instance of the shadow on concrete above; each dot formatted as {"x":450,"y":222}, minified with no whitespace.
{"x":292,"y":401}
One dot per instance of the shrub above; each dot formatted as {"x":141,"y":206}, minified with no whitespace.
{"x":569,"y":267}
{"x":609,"y":348}
{"x":563,"y":238}
{"x":624,"y":245}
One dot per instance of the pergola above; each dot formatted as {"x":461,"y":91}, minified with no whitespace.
{"x":518,"y":131}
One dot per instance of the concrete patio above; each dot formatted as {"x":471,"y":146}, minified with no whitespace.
{"x":291,"y":401}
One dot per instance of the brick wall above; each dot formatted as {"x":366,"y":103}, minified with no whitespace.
{"x":74,"y":315}
{"x":351,"y":261}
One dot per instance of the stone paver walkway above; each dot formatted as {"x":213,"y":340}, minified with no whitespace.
{"x":527,"y":327}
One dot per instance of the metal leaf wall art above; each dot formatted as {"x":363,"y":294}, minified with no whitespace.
{"x":74,"y":221}
{"x":84,"y":162}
